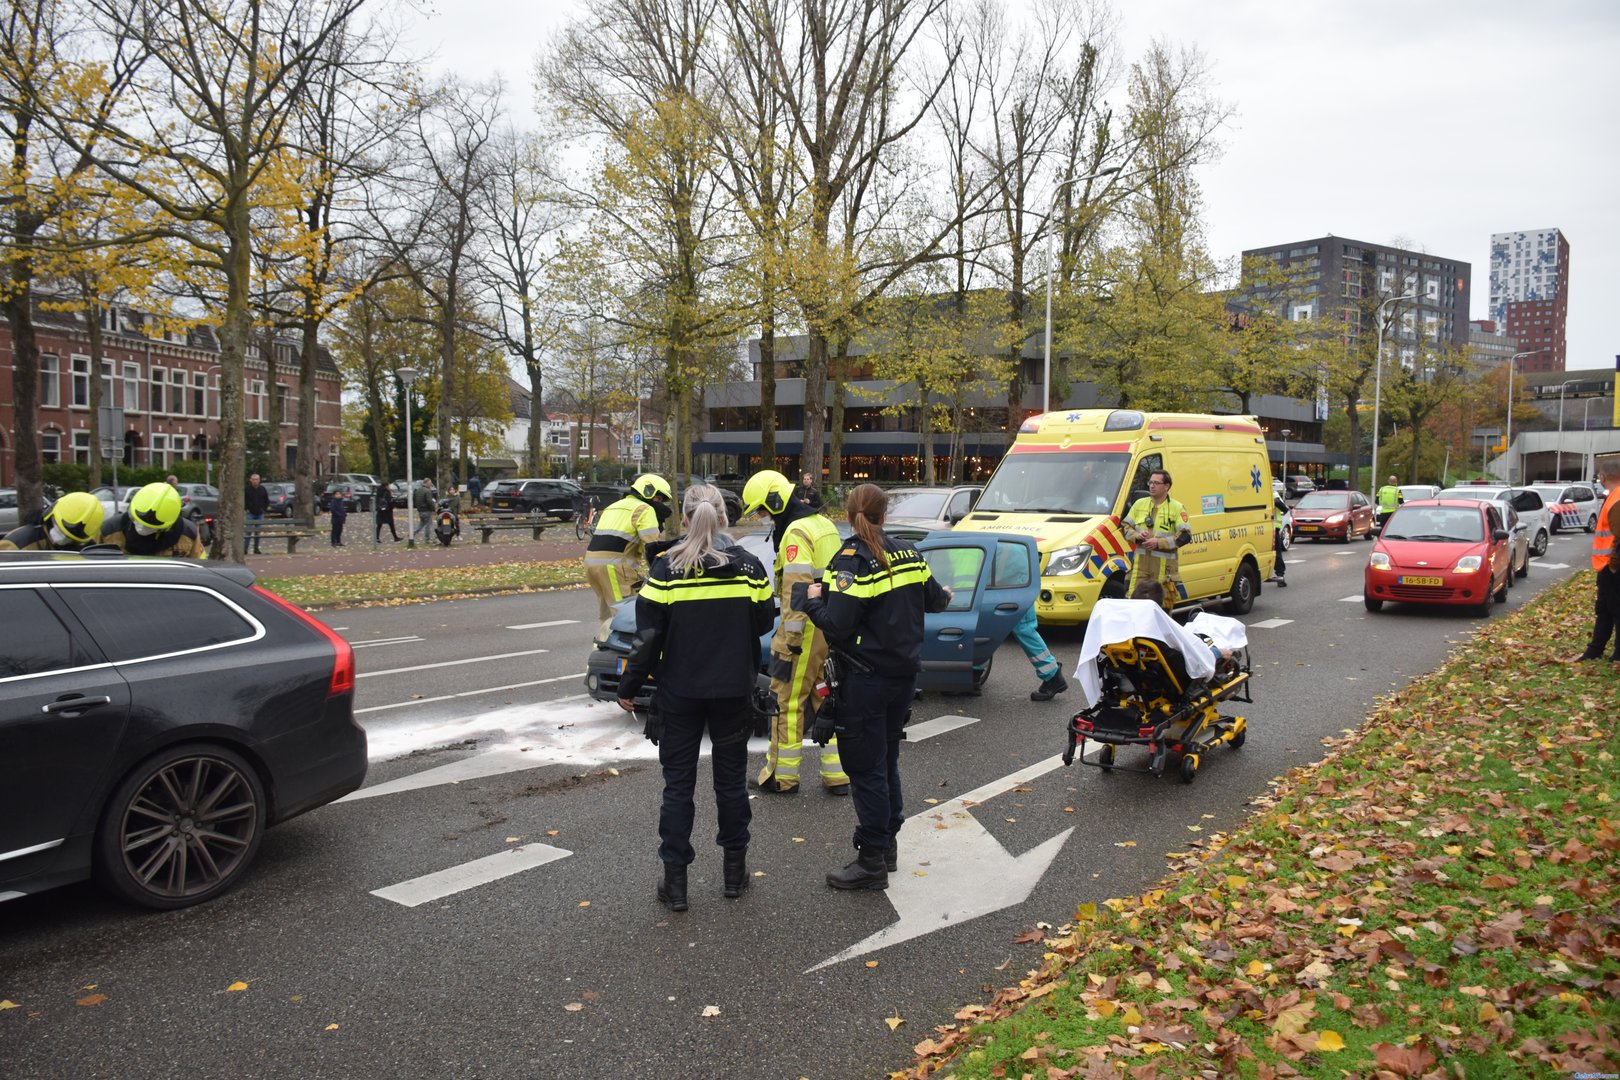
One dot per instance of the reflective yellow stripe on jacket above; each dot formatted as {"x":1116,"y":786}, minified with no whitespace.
{"x":623,"y":524}
{"x":808,"y":545}
{"x":900,"y":573}
{"x":681,"y":589}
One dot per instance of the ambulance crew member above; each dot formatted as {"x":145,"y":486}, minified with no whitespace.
{"x":870,"y":603}
{"x":804,"y":542}
{"x":70,"y":524}
{"x":702,"y":612}
{"x":1157,"y":525}
{"x":153,"y":526}
{"x":615,"y":555}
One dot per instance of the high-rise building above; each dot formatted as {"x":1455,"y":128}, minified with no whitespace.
{"x":1530,"y":294}
{"x":1343,"y":280}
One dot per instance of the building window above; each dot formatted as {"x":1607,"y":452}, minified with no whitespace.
{"x":81,"y":382}
{"x":199,"y":394}
{"x":50,"y":381}
{"x":132,"y":387}
{"x":159,"y":396}
{"x":81,"y":446}
{"x":256,"y":408}
{"x":285,"y":398}
{"x":177,"y":392}
{"x":177,"y":447}
{"x":50,"y":447}
{"x":160,"y":450}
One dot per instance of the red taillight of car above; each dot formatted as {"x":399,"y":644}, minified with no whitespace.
{"x":343,"y":667}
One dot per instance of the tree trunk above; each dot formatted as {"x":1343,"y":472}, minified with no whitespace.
{"x":767,"y":391}
{"x":234,"y":331}
{"x":815,"y":405}
{"x":25,"y":388}
{"x":308,"y":453}
{"x":92,"y":313}
{"x":447,"y":387}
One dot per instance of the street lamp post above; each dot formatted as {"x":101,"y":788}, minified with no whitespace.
{"x":1558,"y":478}
{"x":407,"y":375}
{"x":1586,"y":455}
{"x":1051,"y":272}
{"x":1378,"y":383}
{"x":1285,"y":434}
{"x":1513,"y":365}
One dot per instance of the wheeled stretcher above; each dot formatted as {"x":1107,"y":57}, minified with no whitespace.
{"x":1150,"y":682}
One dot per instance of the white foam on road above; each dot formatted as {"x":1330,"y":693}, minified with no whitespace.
{"x":472,"y":693}
{"x":572,"y":729}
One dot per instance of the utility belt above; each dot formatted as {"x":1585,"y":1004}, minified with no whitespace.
{"x":836,"y":715}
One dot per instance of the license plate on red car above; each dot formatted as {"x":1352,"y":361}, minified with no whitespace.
{"x":1310,"y":528}
{"x":1419,"y":579}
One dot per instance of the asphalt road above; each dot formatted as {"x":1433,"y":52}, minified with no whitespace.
{"x":547,"y":955}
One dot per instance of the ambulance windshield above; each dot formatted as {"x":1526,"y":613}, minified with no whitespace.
{"x":1059,"y":482}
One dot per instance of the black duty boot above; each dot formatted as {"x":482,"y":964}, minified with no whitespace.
{"x":891,"y":856}
{"x":736,"y":872}
{"x":866,"y":872}
{"x":672,"y":890}
{"x":1049,"y":689}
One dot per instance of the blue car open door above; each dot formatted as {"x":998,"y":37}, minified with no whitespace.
{"x":994,"y":580}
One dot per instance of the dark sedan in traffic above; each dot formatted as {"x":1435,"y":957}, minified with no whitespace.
{"x":156,"y":716}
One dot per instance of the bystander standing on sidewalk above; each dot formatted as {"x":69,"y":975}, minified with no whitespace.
{"x":383,"y":508}
{"x":475,"y":487}
{"x":1606,"y":566}
{"x":340,"y":514}
{"x":256,"y":503}
{"x":425,"y":500}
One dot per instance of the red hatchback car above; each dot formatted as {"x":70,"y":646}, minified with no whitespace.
{"x":1441,"y":551}
{"x":1333,"y":515}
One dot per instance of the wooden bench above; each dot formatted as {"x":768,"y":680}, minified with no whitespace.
{"x":488,"y":528}
{"x":291,"y":535}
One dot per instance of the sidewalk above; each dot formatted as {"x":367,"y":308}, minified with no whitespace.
{"x":358,"y":555}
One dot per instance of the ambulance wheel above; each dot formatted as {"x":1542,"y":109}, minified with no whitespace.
{"x":1106,"y":757}
{"x":1245,"y":585}
{"x":1189,"y":768}
{"x":1113,"y":589}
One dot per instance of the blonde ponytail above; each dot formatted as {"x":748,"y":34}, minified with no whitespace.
{"x":705,"y":516}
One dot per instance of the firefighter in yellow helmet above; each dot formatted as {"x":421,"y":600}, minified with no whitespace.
{"x":804,"y":542}
{"x":70,"y":524}
{"x":153,"y":526}
{"x":616,"y":558}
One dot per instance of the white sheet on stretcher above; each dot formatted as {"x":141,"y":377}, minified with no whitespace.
{"x":1120,"y":620}
{"x":1223,"y":630}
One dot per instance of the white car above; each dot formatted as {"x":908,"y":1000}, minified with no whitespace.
{"x":1582,"y":497}
{"x":114,"y":500}
{"x":1531,"y":506}
{"x":8,"y":510}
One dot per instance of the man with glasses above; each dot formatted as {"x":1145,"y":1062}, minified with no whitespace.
{"x":1157,"y":525}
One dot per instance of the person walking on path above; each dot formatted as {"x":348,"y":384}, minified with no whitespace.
{"x":1279,"y":572}
{"x":383,"y":510}
{"x":256,"y":503}
{"x":870,"y":604}
{"x":702,"y":611}
{"x":1157,"y":525}
{"x":427,"y":499}
{"x":1606,"y":566}
{"x":340,"y":514}
{"x":475,"y":487}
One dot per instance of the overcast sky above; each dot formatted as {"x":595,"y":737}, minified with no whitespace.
{"x":1431,"y":123}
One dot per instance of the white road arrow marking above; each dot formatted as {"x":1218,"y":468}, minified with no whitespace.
{"x":543,"y":625}
{"x":967,"y":873}
{"x":382,"y":641}
{"x":939,"y":725}
{"x":1356,"y":599}
{"x":450,"y":663}
{"x":469,"y":875}
{"x":1550,"y":565}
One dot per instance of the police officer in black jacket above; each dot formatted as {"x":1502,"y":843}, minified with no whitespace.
{"x":699,"y":618}
{"x":871,"y":604}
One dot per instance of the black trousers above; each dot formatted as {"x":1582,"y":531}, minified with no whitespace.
{"x":388,"y":521}
{"x":1607,"y":611}
{"x":869,"y":747}
{"x":337,"y":529}
{"x":1277,"y":547}
{"x":685,"y":721}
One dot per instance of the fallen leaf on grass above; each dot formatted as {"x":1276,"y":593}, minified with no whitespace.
{"x":1028,"y":937}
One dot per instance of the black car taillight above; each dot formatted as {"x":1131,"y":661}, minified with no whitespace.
{"x":343,"y":666}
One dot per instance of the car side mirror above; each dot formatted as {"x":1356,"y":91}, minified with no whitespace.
{"x":1499,"y":535}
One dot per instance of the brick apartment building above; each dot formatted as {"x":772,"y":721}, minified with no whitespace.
{"x":167,"y":383}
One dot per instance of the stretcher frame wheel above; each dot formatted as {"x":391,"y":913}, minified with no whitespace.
{"x":1189,"y":768}
{"x":1105,"y":758}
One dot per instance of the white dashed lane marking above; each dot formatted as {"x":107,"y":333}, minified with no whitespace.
{"x":469,"y":875}
{"x":1270,"y":624}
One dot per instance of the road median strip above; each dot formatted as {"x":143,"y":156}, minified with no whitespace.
{"x":392,"y":587}
{"x":1439,"y":893}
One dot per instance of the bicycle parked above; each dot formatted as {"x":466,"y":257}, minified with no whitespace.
{"x":586,"y":511}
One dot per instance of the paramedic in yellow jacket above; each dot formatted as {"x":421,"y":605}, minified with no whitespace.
{"x":1157,"y":525}
{"x":616,"y":558}
{"x":804,"y":542}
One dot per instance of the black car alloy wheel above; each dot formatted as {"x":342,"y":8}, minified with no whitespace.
{"x":182,"y":826}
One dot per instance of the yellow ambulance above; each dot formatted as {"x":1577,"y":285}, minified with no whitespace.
{"x":1069,"y":479}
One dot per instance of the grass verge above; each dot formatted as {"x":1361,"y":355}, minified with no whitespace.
{"x":1437,"y":897}
{"x":408,"y":586}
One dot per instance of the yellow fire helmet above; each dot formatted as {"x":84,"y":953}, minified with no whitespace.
{"x":767,"y":490}
{"x":77,"y":515}
{"x":650,"y":486}
{"x":155,"y":508}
